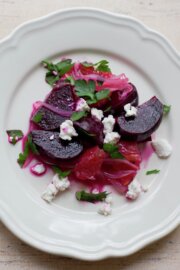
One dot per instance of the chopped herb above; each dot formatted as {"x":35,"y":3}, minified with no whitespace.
{"x":71,"y":80}
{"x":91,"y":197}
{"x":51,"y":79}
{"x":166,"y":109}
{"x":85,"y":89}
{"x":112,"y":150}
{"x":102,"y":65}
{"x":152,"y":172}
{"x":15,"y":134}
{"x":102,"y":94}
{"x":78,"y":115}
{"x":29,"y":147}
{"x":37,"y":117}
{"x":86,"y":64}
{"x":61,"y":174}
{"x":56,"y":71}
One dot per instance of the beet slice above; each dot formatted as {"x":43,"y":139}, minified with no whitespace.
{"x":49,"y":120}
{"x":120,"y":98}
{"x":56,"y":148}
{"x":91,"y":127}
{"x":148,"y":119}
{"x":62,"y":97}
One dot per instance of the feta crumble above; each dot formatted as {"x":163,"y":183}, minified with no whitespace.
{"x":105,"y":209}
{"x":134,"y":190}
{"x":130,"y":110}
{"x":54,"y":187}
{"x":82,"y":105}
{"x":108,"y":123}
{"x":112,"y":137}
{"x":67,"y":130}
{"x":162,"y":148}
{"x":39,"y":168}
{"x":97,"y":113}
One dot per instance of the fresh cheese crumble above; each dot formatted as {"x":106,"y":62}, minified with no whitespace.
{"x":82,"y":105}
{"x":54,"y":187}
{"x":97,"y":113}
{"x":108,"y":123}
{"x":162,"y":148}
{"x":134,"y":190}
{"x":105,"y":209}
{"x":67,"y":131}
{"x":38,"y":168}
{"x":112,"y":137}
{"x":130,"y":110}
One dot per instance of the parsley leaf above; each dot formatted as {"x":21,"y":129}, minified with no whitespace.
{"x":15,"y":134}
{"x":71,"y":80}
{"x":152,"y":172}
{"x":64,"y":66}
{"x":112,"y":150}
{"x":61,"y":174}
{"x":78,"y":115}
{"x":85,"y":89}
{"x":29,"y":147}
{"x":102,"y":94}
{"x":91,"y":197}
{"x":37,"y":117}
{"x":166,"y":109}
{"x":51,"y":79}
{"x":102,"y":65}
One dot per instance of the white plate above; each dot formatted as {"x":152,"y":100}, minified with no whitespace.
{"x":68,"y":227}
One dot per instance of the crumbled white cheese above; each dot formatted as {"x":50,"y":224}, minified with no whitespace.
{"x":162,"y":148}
{"x":39,"y":168}
{"x":67,"y":130}
{"x":130,"y":110}
{"x":112,"y":137}
{"x":54,"y":187}
{"x":97,"y":113}
{"x":134,"y":190}
{"x":60,"y":184}
{"x":108,"y":123}
{"x":82,"y":105}
{"x":109,"y":199}
{"x":105,"y":209}
{"x":52,"y":137}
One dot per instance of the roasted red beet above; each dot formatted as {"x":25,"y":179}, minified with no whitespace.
{"x":148,"y":119}
{"x":62,"y":97}
{"x":121,"y":98}
{"x":49,"y":120}
{"x":92,"y":127}
{"x":89,"y":164}
{"x":56,"y":148}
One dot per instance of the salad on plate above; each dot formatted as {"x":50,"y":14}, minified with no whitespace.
{"x":91,"y":129}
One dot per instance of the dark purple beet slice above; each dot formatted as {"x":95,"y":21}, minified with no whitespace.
{"x":120,"y":98}
{"x":148,"y":119}
{"x":62,"y":97}
{"x":49,"y":120}
{"x":92,"y":127}
{"x":56,"y":148}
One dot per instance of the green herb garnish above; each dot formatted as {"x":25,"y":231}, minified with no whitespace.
{"x":112,"y":150}
{"x":56,"y":71}
{"x":29,"y":147}
{"x":78,"y":115}
{"x":152,"y":172}
{"x":15,"y":135}
{"x":91,"y":197}
{"x":87,"y":90}
{"x":70,"y":79}
{"x":102,"y":65}
{"x":37,"y":117}
{"x":61,"y":174}
{"x":102,"y":94}
{"x":166,"y":109}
